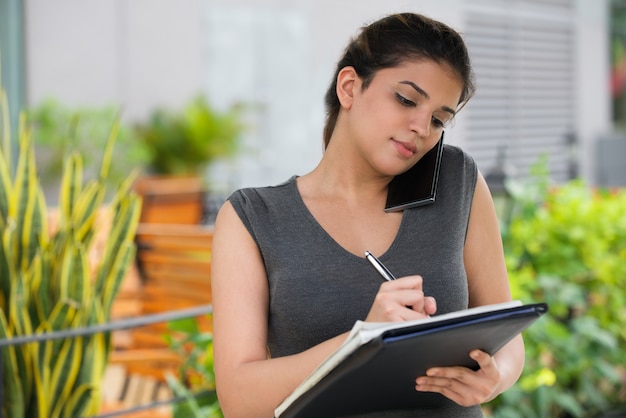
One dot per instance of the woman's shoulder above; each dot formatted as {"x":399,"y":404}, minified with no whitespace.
{"x":456,"y":152}
{"x":455,"y":158}
{"x":260,"y":208}
{"x":264,"y":195}
{"x":458,"y":171}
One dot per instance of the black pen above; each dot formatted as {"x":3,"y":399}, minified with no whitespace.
{"x":380,"y":267}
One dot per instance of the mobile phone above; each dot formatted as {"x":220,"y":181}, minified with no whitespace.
{"x":418,"y":185}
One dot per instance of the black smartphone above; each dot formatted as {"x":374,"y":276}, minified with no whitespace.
{"x":418,"y":185}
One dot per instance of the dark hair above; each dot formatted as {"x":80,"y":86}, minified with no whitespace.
{"x":395,"y":39}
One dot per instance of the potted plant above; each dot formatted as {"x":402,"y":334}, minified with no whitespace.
{"x":48,"y":282}
{"x":180,"y":145}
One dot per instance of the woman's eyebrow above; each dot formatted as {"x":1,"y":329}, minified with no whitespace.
{"x":425,"y":95}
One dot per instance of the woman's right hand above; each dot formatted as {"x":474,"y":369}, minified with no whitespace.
{"x":401,"y":300}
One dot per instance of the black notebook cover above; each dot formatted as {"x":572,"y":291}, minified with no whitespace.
{"x":380,"y":374}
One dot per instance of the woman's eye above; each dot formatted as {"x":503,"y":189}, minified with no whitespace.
{"x":404,"y":101}
{"x":438,"y":122}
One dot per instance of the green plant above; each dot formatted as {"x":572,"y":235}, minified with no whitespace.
{"x":47,"y":282}
{"x":566,"y":245}
{"x":195,"y":381}
{"x":185,"y":143}
{"x":59,"y":130}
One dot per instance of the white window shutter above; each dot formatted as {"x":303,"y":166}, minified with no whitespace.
{"x":523,"y":56}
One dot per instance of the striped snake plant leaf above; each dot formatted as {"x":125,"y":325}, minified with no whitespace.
{"x":74,"y":278}
{"x":62,"y":317}
{"x":41,"y":299}
{"x":5,"y":188}
{"x":71,"y":185}
{"x":31,"y":231}
{"x":5,"y":226}
{"x":65,"y":370}
{"x":78,"y":401}
{"x":20,"y":324}
{"x":126,"y":253}
{"x":124,"y":189}
{"x":41,"y":374}
{"x":27,"y":198}
{"x":126,"y":208}
{"x":40,"y":220}
{"x":93,"y":195}
{"x":124,"y":226}
{"x":6,"y":268}
{"x":86,"y":212}
{"x":108,"y":150}
{"x":14,"y":402}
{"x":118,"y":253}
{"x":34,"y":278}
{"x":58,"y":246}
{"x":6,"y":123}
{"x":95,"y":353}
{"x":123,"y":197}
{"x":18,"y":305}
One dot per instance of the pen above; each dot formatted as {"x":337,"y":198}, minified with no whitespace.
{"x":380,"y":267}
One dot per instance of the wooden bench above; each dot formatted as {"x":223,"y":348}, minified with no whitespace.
{"x":175,"y":266}
{"x":173,"y":269}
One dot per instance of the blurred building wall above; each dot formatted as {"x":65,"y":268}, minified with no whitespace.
{"x":542,"y":89}
{"x":281,"y":55}
{"x":133,"y":53}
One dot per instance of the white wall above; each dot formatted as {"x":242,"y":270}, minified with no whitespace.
{"x":593,"y":75}
{"x":277,"y":53}
{"x":136,"y":54}
{"x":282,"y":55}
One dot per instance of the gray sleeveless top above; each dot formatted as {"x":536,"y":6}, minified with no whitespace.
{"x":318,"y":289}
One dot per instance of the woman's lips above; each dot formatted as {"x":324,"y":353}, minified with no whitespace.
{"x":405,"y":149}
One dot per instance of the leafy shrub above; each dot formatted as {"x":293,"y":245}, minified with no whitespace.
{"x":566,"y":245}
{"x":195,"y":382}
{"x":60,"y":130}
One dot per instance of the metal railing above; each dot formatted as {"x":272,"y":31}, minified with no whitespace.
{"x":117,"y":325}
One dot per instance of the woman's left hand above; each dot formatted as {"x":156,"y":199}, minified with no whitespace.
{"x":464,"y":386}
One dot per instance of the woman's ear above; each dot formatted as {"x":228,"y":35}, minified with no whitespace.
{"x":347,"y":81}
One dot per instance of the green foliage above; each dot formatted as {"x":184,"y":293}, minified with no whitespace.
{"x":60,"y":130}
{"x":48,"y":283}
{"x":196,"y":372}
{"x":566,"y":245}
{"x":184,"y":143}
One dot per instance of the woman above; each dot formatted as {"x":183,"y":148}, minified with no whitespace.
{"x":289,"y":278}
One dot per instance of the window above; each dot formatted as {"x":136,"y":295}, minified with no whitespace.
{"x":523,"y":56}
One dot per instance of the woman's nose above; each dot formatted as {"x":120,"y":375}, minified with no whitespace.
{"x":420,"y":123}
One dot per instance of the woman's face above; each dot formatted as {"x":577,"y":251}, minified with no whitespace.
{"x":400,"y":116}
